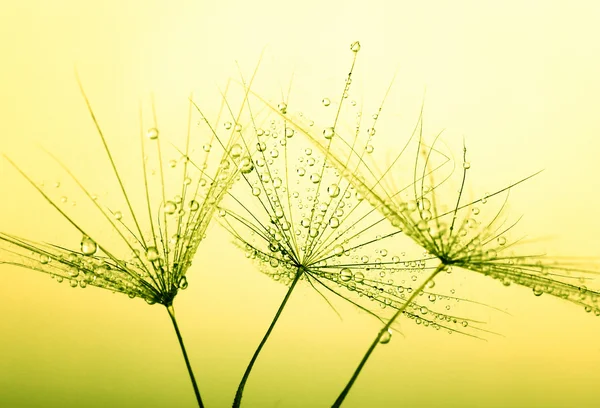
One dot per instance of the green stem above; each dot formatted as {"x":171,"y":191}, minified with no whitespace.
{"x":185,"y":356}
{"x":340,"y":399}
{"x":238,"y":395}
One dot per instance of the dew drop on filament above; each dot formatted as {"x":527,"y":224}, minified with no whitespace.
{"x":386,"y":337}
{"x":88,"y":246}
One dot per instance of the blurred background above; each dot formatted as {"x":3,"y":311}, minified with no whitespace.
{"x":517,"y":79}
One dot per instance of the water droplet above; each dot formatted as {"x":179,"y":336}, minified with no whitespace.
{"x":333,"y":190}
{"x":326,"y":102}
{"x":466,"y":165}
{"x":44,"y":259}
{"x":236,"y":151}
{"x":227,"y":125}
{"x":194,"y":205}
{"x":255,"y":191}
{"x":369,"y":149}
{"x":118,"y":215}
{"x":152,"y":133}
{"x":355,"y":46}
{"x":289,"y":132}
{"x":334,"y":222}
{"x":183,"y":283}
{"x":345,"y":275}
{"x":537,"y":290}
{"x":88,"y":246}
{"x":371,"y":131}
{"x":338,"y":250}
{"x":386,"y":337}
{"x":246,"y":165}
{"x":328,"y":133}
{"x":501,"y":240}
{"x":315,"y":178}
{"x":152,"y":254}
{"x":170,"y":207}
{"x":282,"y":107}
{"x":238,"y":127}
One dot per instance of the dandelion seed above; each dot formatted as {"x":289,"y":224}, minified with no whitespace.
{"x":159,"y":265}
{"x":318,"y":230}
{"x":452,"y":237}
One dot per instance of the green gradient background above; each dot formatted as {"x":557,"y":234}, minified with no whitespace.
{"x":519,"y":79}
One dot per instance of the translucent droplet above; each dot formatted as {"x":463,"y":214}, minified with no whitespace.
{"x":501,"y":240}
{"x":371,"y":131}
{"x":386,"y":337}
{"x":170,"y":207}
{"x":152,"y":254}
{"x":261,"y":146}
{"x":282,"y":107}
{"x":333,"y":190}
{"x":359,"y":277}
{"x":255,"y":191}
{"x":118,"y":215}
{"x":238,"y":127}
{"x":194,"y":205}
{"x":227,"y":125}
{"x":315,"y":178}
{"x":466,"y":165}
{"x":537,"y":290}
{"x":338,"y":250}
{"x":289,"y":132}
{"x":236,"y":151}
{"x":274,"y":153}
{"x":88,"y":246}
{"x":183,"y":283}
{"x":172,"y":163}
{"x":326,"y":102}
{"x":334,"y":222}
{"x":345,"y":275}
{"x":355,"y":46}
{"x":152,"y":133}
{"x":369,"y":148}
{"x":328,"y":133}
{"x":246,"y":165}
{"x":44,"y":259}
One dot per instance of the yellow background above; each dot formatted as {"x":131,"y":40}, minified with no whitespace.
{"x":518,"y":79}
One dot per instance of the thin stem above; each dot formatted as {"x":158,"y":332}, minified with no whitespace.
{"x":238,"y":395}
{"x":185,"y":356}
{"x":384,"y":330}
